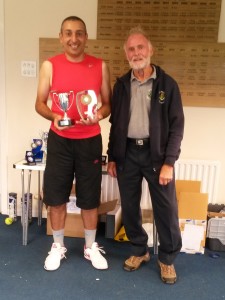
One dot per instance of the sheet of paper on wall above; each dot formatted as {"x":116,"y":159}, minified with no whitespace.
{"x":192,"y":237}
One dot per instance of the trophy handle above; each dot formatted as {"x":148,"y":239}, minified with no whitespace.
{"x":56,"y":102}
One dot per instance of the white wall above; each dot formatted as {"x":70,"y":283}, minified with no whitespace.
{"x":3,"y":133}
{"x":25,"y":22}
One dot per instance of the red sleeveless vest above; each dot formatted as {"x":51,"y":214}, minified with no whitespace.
{"x":75,"y":77}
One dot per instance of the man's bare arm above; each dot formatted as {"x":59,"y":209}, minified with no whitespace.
{"x":44,"y":87}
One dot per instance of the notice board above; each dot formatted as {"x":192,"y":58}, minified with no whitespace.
{"x":198,"y":67}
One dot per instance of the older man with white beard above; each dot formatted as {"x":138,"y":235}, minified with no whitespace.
{"x":147,"y":124}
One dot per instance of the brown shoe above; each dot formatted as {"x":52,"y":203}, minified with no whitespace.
{"x":134,"y":262}
{"x":168,"y":273}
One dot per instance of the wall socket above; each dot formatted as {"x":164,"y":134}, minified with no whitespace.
{"x":28,"y":68}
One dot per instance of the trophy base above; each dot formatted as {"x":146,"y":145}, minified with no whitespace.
{"x":66,"y":122}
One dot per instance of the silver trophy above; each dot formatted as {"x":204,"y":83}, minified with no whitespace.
{"x":86,"y":102}
{"x":64,"y":102}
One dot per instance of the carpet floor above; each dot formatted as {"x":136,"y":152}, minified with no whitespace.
{"x":23,"y":277}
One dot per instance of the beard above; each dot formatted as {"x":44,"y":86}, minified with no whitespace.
{"x":140,"y":65}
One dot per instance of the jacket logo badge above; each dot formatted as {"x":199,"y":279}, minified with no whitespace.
{"x":162,"y":97}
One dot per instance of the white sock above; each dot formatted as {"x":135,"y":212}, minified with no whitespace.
{"x":58,"y":236}
{"x":89,"y":237}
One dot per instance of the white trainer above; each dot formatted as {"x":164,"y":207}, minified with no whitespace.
{"x":54,"y":257}
{"x":94,"y":255}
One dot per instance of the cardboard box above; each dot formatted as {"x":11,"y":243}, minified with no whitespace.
{"x":190,"y":186}
{"x":192,"y":209}
{"x":150,"y":228}
{"x":74,"y":224}
{"x":193,"y":234}
{"x":192,"y":205}
{"x":113,"y":222}
{"x":147,"y":215}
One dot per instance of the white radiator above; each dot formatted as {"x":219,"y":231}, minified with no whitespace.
{"x":206,"y":171}
{"x":110,"y":190}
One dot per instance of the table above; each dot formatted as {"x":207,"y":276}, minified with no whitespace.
{"x":24,"y":166}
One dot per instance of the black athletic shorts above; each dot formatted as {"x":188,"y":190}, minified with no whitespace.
{"x":69,"y":159}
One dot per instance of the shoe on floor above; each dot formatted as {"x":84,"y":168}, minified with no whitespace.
{"x":134,"y":262}
{"x":54,"y":257}
{"x":167,"y":273}
{"x":94,"y":255}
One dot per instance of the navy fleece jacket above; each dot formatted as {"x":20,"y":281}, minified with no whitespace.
{"x":166,"y":120}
